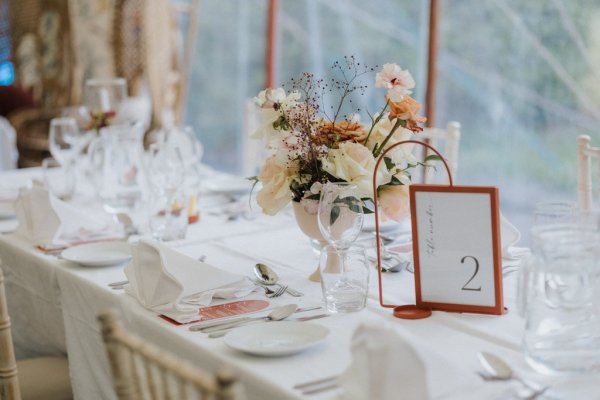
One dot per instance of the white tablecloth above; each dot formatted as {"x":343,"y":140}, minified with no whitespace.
{"x":54,"y":303}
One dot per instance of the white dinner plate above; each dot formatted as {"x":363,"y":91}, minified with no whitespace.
{"x":99,"y":254}
{"x":229,"y":186}
{"x":276,"y":338}
{"x":7,"y":210}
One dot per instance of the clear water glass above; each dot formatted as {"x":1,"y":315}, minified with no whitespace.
{"x":60,"y":180}
{"x":562,"y":313}
{"x":168,"y":214}
{"x":551,"y":213}
{"x":344,"y":278}
{"x":340,"y":213}
{"x":104,"y":95}
{"x":65,"y":141}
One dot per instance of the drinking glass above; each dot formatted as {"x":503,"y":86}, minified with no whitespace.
{"x":562,"y":329}
{"x":104,"y":96}
{"x":65,"y":141}
{"x":340,"y":213}
{"x":344,"y":278}
{"x":59,"y":179}
{"x":168,"y":211}
{"x":550,"y":213}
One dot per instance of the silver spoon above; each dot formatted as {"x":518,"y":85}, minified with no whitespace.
{"x":267,"y":276}
{"x":127,"y":223}
{"x":498,"y":369}
{"x":276,"y":315}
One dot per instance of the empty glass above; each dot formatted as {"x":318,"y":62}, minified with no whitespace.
{"x":340,"y":213}
{"x":118,"y":169}
{"x":65,"y":141}
{"x":168,"y":211}
{"x":59,"y":179}
{"x":104,"y":96}
{"x":344,"y":278}
{"x":550,"y":213}
{"x":562,"y":331}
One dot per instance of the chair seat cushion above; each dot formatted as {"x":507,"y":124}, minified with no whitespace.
{"x":44,"y":378}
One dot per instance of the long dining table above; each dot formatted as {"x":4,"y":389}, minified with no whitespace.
{"x":54,"y":305}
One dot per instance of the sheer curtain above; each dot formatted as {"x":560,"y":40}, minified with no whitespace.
{"x":523,"y":78}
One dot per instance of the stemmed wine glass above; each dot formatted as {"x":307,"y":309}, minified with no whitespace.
{"x":341,"y":213}
{"x":344,"y":269}
{"x":65,"y":142}
{"x":168,"y":208}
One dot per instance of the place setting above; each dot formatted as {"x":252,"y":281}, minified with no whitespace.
{"x":383,"y":225}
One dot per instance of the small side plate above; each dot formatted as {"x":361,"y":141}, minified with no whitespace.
{"x":99,"y":254}
{"x":275,"y":339}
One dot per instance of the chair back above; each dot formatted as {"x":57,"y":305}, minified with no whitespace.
{"x":451,"y":140}
{"x":142,"y":370}
{"x":9,"y":382}
{"x":585,"y":153}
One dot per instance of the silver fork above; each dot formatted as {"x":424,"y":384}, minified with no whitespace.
{"x":275,"y":293}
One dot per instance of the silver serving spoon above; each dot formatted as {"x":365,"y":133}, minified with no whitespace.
{"x":498,"y":369}
{"x":276,"y":315}
{"x":267,"y":276}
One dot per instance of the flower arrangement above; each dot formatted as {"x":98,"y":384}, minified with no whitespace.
{"x":308,"y":147}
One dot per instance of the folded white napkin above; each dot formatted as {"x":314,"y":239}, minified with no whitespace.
{"x":174,"y":284}
{"x":385,"y":366}
{"x":47,"y":221}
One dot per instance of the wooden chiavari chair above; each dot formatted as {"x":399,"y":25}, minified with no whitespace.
{"x":43,"y":378}
{"x":142,"y":370}
{"x":451,"y":138}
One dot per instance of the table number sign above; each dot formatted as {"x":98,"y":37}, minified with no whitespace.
{"x":456,"y":247}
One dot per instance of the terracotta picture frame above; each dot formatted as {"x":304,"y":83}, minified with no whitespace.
{"x":457,"y":248}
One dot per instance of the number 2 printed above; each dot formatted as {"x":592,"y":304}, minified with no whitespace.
{"x":465,"y":287}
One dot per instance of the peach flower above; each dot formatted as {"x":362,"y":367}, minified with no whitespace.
{"x":394,"y":201}
{"x":408,"y":110}
{"x":275,"y":193}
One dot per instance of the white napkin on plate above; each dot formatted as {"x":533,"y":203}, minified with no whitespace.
{"x":385,"y":366}
{"x":47,"y":221}
{"x":174,"y":284}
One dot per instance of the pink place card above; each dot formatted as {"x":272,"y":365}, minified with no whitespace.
{"x":225,"y":310}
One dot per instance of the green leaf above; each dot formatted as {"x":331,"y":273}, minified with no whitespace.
{"x":432,"y":157}
{"x":388,"y":163}
{"x":314,"y":197}
{"x":395,"y":182}
{"x":354,"y":207}
{"x":367,"y":211}
{"x":335,"y":213}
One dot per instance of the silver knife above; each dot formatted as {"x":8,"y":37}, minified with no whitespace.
{"x":223,"y":332}
{"x":211,"y":324}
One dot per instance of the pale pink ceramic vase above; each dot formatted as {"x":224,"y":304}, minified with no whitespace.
{"x":309,"y":225}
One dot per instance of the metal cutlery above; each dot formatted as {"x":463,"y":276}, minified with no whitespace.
{"x":319,"y":385}
{"x":266,"y":276}
{"x":498,"y":369}
{"x":209,"y":324}
{"x":224,"y":331}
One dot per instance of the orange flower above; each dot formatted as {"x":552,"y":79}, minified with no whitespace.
{"x":407,"y":110}
{"x":333,"y":133}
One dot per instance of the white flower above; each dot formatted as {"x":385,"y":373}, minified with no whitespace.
{"x":397,"y":81}
{"x":270,"y":98}
{"x":352,"y":162}
{"x":274,"y":104}
{"x":401,"y":153}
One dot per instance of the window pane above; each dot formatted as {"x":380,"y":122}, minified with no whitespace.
{"x":523,"y":81}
